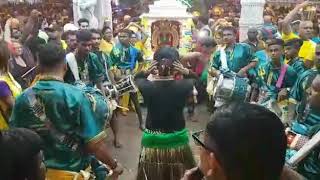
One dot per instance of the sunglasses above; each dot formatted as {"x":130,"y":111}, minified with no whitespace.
{"x":197,"y":136}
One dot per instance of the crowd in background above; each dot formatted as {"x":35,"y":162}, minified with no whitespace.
{"x":284,"y":48}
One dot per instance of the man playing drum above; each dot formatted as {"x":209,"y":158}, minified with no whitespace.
{"x":125,"y":58}
{"x":83,"y":65}
{"x":63,"y":116}
{"x":236,"y":57}
{"x":305,"y":96}
{"x":275,"y":78}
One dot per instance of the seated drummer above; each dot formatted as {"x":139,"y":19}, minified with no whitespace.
{"x":305,"y":96}
{"x":291,"y":51}
{"x":275,"y":78}
{"x":239,"y":56}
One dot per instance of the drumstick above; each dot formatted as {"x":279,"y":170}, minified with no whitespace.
{"x":305,"y":150}
{"x":30,"y":70}
{"x":124,"y":108}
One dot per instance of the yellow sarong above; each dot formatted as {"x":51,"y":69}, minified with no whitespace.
{"x":53,"y":174}
{"x":15,"y":89}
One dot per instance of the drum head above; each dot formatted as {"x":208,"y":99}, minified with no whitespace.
{"x":219,"y":83}
{"x":231,"y":88}
{"x":225,"y":87}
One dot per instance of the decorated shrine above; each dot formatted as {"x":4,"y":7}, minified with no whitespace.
{"x":167,"y":24}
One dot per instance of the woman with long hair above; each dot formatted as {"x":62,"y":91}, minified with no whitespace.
{"x":21,"y":64}
{"x":9,"y":88}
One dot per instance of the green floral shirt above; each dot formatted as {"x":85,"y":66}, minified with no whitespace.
{"x":125,"y":58}
{"x":268,"y":76}
{"x":70,"y":113}
{"x":91,"y":70}
{"x":298,"y":65}
{"x":239,"y":57}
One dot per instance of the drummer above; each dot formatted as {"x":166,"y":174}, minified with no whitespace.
{"x":52,"y":105}
{"x":125,"y":58}
{"x":239,"y":56}
{"x":83,"y":65}
{"x":305,"y":95}
{"x":275,"y":77}
{"x":103,"y":57}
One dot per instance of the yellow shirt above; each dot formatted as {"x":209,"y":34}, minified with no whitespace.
{"x":64,"y":44}
{"x":105,"y":46}
{"x":15,"y":89}
{"x":307,"y":50}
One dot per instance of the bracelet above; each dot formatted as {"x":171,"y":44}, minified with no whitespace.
{"x":116,"y":162}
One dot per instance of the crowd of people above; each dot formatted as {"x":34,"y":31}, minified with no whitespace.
{"x":63,"y":84}
{"x":52,"y":12}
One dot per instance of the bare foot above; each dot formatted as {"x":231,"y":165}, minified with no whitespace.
{"x":117,"y":144}
{"x":124,"y":113}
{"x":192,"y":118}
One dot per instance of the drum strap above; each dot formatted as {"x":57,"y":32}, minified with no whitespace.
{"x":39,"y":111}
{"x":105,"y":59}
{"x":223,"y":59}
{"x":73,"y":65}
{"x":283,"y":71}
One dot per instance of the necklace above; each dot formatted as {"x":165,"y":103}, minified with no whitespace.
{"x":162,"y":78}
{"x":49,"y":78}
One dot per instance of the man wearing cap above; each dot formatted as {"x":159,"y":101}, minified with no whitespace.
{"x":70,"y":39}
{"x":70,"y":42}
{"x":291,"y":51}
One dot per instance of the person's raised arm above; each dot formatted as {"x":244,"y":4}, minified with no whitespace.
{"x":286,"y":23}
{"x":31,"y":29}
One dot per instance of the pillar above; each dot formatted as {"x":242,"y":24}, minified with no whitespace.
{"x":103,"y":12}
{"x":251,"y":16}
